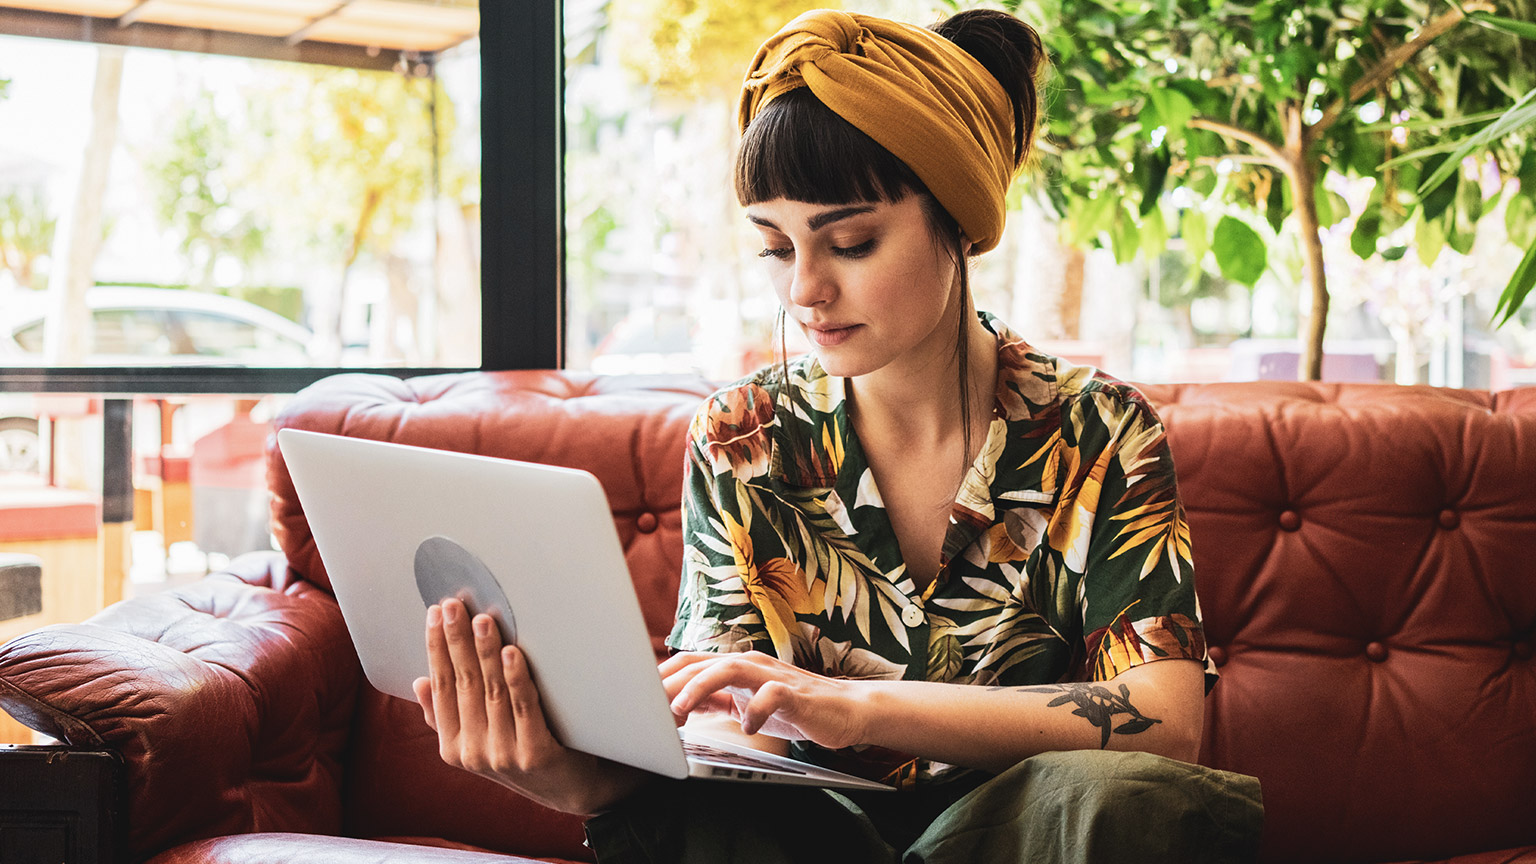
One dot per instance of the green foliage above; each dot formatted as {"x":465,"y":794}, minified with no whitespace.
{"x":692,"y":49}
{"x":1229,"y":101}
{"x":350,"y":149}
{"x":26,"y":234}
{"x":204,"y":189}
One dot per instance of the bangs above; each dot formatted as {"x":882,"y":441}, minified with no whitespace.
{"x":798,"y":149}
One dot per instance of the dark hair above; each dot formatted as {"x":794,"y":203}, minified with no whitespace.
{"x":797,"y":148}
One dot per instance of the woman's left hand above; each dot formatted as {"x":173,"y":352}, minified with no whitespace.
{"x":767,"y":695}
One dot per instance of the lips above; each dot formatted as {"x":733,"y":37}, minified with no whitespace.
{"x":828,"y":335}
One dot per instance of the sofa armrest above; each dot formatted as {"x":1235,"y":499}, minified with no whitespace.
{"x":230,"y":700}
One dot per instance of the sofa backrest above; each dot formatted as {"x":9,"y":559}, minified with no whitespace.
{"x":1364,"y":559}
{"x":1362,"y":554}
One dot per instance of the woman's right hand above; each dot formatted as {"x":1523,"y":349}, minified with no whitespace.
{"x":482,"y":702}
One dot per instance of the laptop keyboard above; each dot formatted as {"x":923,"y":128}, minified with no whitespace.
{"x":715,"y":754}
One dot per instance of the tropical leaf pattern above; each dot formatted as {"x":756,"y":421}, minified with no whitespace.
{"x":1067,"y":556}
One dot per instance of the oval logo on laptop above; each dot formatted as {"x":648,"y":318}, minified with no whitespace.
{"x":445,"y":569}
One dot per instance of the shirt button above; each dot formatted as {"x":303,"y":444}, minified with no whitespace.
{"x":912,"y":615}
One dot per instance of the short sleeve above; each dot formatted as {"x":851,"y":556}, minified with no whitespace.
{"x":1138,"y":590}
{"x":714,"y":612}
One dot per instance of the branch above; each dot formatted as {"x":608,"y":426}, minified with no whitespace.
{"x":1239,"y":159}
{"x":1264,"y":146}
{"x":1393,"y":60}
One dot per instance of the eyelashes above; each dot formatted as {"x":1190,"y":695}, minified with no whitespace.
{"x":860,"y":251}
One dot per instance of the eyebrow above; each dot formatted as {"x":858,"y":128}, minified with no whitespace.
{"x":820,"y":220}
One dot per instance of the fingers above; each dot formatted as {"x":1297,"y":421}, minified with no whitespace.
{"x":527,"y":710}
{"x":423,"y":688}
{"x":500,"y":728}
{"x":445,"y":706}
{"x":769,"y":699}
{"x":469,"y":685}
{"x":697,"y":682}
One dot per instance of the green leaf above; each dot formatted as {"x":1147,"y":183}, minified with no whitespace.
{"x":1202,"y":181}
{"x":1523,"y":29}
{"x":1337,"y":205}
{"x":1125,"y":237}
{"x":1155,"y":175}
{"x":1520,"y":219}
{"x":1154,"y":233}
{"x":1240,"y":251}
{"x":1437,"y":123}
{"x":1324,"y":205}
{"x":1174,"y":109}
{"x":1196,"y":234}
{"x":1428,"y":240}
{"x":1093,"y":215}
{"x":1519,"y":116}
{"x":1421,"y":153}
{"x":1442,"y":196}
{"x":1527,"y":173}
{"x":1367,"y":229}
{"x":1518,"y":289}
{"x":1459,"y":233}
{"x":1469,"y":204}
{"x":1274,"y":206}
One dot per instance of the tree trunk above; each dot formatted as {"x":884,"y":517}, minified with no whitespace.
{"x":66,"y":330}
{"x":1069,"y":306}
{"x":1301,"y":170}
{"x":1303,"y":189}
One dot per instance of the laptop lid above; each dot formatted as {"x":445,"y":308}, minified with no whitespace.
{"x":538,"y":536}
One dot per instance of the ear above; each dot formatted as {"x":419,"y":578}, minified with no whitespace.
{"x":965,"y":245}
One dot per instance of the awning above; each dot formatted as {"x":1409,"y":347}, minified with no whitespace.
{"x":364,"y":33}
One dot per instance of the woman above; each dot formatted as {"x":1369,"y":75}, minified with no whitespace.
{"x":924,"y":552}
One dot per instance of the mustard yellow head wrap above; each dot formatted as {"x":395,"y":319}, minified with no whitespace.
{"x":917,"y":94}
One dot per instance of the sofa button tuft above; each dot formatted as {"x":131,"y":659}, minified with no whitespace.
{"x":1524,"y":650}
{"x":1449,"y":519}
{"x":646,"y":523}
{"x":1376,"y":652}
{"x":1290,"y":520}
{"x":1218,"y":655}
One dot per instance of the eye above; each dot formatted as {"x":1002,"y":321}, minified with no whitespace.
{"x":858,"y":251}
{"x":781,"y":253}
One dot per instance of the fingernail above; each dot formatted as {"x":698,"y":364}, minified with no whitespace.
{"x":434,"y":615}
{"x":482,"y":625}
{"x":451,"y":612}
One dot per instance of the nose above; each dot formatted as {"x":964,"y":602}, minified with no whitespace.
{"x":811,"y":283}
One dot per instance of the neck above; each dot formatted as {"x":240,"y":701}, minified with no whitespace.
{"x":917,"y":401}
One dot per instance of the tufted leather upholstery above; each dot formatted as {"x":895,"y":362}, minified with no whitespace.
{"x":1363,"y":561}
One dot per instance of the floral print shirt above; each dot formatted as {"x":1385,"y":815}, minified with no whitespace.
{"x":1067,"y":556}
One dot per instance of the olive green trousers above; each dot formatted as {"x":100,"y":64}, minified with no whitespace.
{"x":1092,"y":806}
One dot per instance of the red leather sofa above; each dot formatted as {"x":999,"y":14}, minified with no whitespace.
{"x":1367,"y":566}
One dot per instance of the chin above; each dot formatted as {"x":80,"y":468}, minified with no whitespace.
{"x":842,"y":364}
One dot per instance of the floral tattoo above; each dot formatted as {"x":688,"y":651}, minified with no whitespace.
{"x":1098,"y":705}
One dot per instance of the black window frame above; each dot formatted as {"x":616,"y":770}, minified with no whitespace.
{"x":522,"y":284}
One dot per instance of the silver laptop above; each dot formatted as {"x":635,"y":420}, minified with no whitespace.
{"x":534,"y":546}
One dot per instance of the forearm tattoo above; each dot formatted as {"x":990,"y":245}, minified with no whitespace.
{"x":1098,"y":705}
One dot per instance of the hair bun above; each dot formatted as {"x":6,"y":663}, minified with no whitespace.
{"x":1012,"y":52}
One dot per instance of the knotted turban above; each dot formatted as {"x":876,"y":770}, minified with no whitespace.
{"x":917,"y":94}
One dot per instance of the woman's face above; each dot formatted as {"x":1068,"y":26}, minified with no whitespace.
{"x":867,"y":283}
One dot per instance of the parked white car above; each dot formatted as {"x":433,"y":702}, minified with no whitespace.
{"x":132,"y":326}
